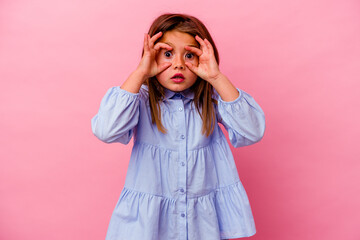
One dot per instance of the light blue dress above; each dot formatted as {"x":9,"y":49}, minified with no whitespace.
{"x":180,"y":185}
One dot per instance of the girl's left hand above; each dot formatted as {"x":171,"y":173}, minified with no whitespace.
{"x":208,"y":68}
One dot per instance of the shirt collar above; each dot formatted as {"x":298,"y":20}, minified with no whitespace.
{"x":188,"y":93}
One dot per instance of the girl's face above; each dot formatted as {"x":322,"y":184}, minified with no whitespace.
{"x":177,"y":77}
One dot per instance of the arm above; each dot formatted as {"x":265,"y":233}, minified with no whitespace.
{"x":240,"y":114}
{"x":117,"y":117}
{"x":236,"y":110}
{"x":119,"y":109}
{"x":243,"y":119}
{"x":224,"y":88}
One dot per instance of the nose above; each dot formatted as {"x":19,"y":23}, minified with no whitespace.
{"x":178,"y":63}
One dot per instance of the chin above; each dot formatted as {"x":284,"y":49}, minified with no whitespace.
{"x":177,"y":89}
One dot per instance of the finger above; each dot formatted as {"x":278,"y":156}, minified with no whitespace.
{"x":148,"y":41}
{"x":195,"y":50}
{"x":202,"y":43}
{"x":162,"y":45}
{"x":146,"y":46}
{"x":164,"y":66}
{"x":154,"y":38}
{"x":192,"y":67}
{"x":208,"y":44}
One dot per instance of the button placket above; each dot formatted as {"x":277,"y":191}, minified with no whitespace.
{"x":182,"y":171}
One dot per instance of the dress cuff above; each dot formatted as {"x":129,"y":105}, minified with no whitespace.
{"x":124,"y":92}
{"x":234,"y":101}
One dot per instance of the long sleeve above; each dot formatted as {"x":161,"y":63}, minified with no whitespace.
{"x":243,"y":119}
{"x":117,"y":117}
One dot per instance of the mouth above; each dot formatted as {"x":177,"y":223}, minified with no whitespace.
{"x":178,"y":78}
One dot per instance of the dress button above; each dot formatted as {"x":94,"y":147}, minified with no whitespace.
{"x":182,"y":136}
{"x":181,"y":190}
{"x":180,"y":109}
{"x":177,"y":94}
{"x":183,"y":215}
{"x":182,"y":164}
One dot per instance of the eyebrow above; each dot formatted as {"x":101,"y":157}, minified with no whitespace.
{"x":190,"y":45}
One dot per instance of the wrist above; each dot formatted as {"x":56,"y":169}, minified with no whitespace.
{"x":216,"y":78}
{"x":134,"y":81}
{"x":140,"y":74}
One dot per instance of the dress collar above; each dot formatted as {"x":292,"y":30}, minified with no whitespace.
{"x":187,"y":93}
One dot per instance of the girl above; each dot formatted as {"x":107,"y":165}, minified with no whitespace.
{"x":182,"y":182}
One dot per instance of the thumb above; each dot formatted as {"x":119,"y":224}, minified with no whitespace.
{"x":192,"y":67}
{"x":164,"y":66}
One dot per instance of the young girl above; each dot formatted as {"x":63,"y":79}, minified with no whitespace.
{"x":182,"y":182}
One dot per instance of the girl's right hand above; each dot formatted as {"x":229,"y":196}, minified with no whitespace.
{"x":148,"y":65}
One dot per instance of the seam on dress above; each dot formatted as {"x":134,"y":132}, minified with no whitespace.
{"x":155,"y":146}
{"x":217,"y":140}
{"x":215,"y":190}
{"x":174,"y":200}
{"x":150,"y":194}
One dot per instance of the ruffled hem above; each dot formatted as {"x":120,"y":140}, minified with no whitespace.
{"x":222,"y":214}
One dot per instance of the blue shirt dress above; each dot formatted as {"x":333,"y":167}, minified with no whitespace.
{"x":181,"y":185}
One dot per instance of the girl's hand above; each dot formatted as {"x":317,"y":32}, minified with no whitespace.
{"x":148,"y":65}
{"x":208,"y":68}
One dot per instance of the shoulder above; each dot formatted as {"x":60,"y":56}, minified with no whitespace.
{"x":144,"y":92}
{"x":141,"y":96}
{"x":215,"y":94}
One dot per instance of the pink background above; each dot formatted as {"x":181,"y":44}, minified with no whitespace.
{"x":300,"y":60}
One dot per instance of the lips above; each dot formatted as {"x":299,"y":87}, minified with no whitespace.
{"x":178,"y":76}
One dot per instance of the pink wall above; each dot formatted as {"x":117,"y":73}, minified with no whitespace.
{"x":299,"y":59}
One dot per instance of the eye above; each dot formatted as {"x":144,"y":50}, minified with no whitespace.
{"x":167,"y":54}
{"x":189,"y":55}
